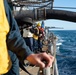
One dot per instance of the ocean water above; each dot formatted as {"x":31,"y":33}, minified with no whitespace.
{"x":66,"y":51}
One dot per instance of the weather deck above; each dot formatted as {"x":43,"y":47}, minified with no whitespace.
{"x":33,"y":70}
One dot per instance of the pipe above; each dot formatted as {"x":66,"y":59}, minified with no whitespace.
{"x":44,"y":14}
{"x":61,"y":15}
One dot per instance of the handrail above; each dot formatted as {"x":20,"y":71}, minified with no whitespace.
{"x":52,"y":47}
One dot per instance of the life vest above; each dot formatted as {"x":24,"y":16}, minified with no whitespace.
{"x":41,"y":31}
{"x":36,"y":33}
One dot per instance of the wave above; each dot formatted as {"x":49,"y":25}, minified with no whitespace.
{"x":66,"y":52}
{"x":58,"y":44}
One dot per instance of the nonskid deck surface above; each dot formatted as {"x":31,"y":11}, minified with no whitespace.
{"x":34,"y":70}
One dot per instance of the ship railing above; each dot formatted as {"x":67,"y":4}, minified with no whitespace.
{"x":51,"y":50}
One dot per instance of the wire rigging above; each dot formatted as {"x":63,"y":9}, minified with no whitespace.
{"x":65,"y":7}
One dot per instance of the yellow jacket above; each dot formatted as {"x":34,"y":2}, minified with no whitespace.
{"x":5,"y":62}
{"x":35,"y":35}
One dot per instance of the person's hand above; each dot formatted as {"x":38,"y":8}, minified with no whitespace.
{"x":37,"y":59}
{"x":40,"y":35}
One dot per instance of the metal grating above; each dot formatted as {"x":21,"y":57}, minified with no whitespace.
{"x":33,"y":3}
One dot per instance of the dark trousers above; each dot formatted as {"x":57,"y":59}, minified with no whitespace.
{"x":15,"y":65}
{"x":29,"y":42}
{"x":39,"y":44}
{"x":35,"y":44}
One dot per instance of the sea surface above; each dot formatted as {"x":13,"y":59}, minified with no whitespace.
{"x":66,"y":51}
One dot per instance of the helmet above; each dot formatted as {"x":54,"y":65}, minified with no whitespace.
{"x":28,"y":21}
{"x":24,"y":20}
{"x":39,"y":24}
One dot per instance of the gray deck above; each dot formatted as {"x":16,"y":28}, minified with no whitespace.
{"x":33,"y":70}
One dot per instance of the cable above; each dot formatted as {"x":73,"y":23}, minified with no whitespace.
{"x":66,"y":7}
